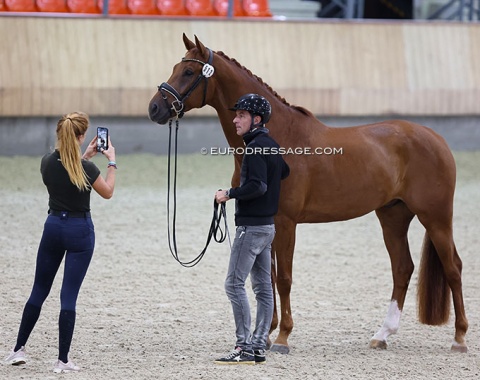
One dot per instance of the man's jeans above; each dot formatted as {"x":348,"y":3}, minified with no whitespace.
{"x":251,"y":254}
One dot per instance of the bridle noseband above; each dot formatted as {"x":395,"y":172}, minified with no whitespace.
{"x":178,"y":104}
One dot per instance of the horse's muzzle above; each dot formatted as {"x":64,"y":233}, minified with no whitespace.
{"x":157,"y":113}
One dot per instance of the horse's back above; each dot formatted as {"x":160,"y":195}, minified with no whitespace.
{"x":399,"y":140}
{"x":379,"y":162}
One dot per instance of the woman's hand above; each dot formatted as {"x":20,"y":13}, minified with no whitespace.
{"x":110,"y":152}
{"x":91,"y":149}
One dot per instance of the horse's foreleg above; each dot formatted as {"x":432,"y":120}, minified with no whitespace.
{"x":284,"y":246}
{"x":395,"y":221}
{"x":274,"y":324}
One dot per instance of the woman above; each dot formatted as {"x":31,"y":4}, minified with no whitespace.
{"x":68,"y":231}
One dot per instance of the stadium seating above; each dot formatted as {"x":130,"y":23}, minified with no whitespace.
{"x":83,"y":6}
{"x":221,"y":7}
{"x":143,"y":7}
{"x":185,"y":8}
{"x":172,"y":8}
{"x":200,"y":8}
{"x":52,"y":6}
{"x":256,"y":8}
{"x":115,"y":7}
{"x":21,"y":5}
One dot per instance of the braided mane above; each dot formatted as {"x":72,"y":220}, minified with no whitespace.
{"x":269,"y":88}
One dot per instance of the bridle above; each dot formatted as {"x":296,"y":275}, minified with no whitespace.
{"x":178,"y":105}
{"x":219,"y":211}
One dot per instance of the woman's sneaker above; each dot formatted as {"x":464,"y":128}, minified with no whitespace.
{"x":17,"y":358}
{"x":61,"y":367}
{"x":238,"y":356}
{"x":260,"y":356}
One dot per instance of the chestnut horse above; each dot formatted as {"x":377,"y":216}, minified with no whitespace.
{"x":396,"y":168}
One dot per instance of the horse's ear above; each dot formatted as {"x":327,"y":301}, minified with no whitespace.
{"x":188,"y":44}
{"x":201,"y":47}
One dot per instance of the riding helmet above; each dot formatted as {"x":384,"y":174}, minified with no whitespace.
{"x":255,"y":104}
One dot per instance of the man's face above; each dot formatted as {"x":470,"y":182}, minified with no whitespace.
{"x":242,"y":122}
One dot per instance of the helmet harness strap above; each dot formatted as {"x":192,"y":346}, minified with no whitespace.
{"x":254,"y":126}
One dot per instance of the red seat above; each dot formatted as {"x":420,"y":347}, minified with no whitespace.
{"x":172,"y":8}
{"x":200,"y":8}
{"x":221,"y":7}
{"x":115,"y":7}
{"x":83,"y":6}
{"x":3,"y":7}
{"x":143,"y":7}
{"x":52,"y":6}
{"x":256,"y":8}
{"x":21,"y":5}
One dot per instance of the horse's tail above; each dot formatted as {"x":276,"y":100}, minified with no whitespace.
{"x":433,"y":291}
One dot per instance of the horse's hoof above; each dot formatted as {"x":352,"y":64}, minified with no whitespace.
{"x":380,"y":344}
{"x":280,"y":348}
{"x":462,"y":348}
{"x":268,"y":346}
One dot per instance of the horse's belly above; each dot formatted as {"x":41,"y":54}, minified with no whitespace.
{"x":326,"y":214}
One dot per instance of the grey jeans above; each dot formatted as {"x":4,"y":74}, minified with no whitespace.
{"x":251,"y":254}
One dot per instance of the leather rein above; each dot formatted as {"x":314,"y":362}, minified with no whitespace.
{"x":219,"y":211}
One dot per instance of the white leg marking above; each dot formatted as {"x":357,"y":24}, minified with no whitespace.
{"x":391,"y":323}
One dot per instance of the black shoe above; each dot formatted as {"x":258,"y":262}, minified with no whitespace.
{"x":238,"y":356}
{"x":260,"y":356}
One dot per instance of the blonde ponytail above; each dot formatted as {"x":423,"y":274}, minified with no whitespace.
{"x":69,"y":128}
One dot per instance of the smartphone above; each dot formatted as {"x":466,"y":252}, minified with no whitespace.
{"x":102,"y":139}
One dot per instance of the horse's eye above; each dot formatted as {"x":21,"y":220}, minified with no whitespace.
{"x":189,"y":72}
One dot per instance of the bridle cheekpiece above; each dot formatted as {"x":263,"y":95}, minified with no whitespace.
{"x":178,"y":104}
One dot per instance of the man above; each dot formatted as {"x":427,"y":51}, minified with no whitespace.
{"x":256,"y":203}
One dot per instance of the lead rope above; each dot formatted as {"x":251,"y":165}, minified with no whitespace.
{"x":216,"y":218}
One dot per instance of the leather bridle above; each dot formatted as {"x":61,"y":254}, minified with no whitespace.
{"x":178,"y":104}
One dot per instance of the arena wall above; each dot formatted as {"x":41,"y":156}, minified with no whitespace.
{"x":111,"y":66}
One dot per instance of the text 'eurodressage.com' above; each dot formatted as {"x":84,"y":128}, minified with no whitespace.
{"x":219,"y":151}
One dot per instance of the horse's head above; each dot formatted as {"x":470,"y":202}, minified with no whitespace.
{"x":187,"y":87}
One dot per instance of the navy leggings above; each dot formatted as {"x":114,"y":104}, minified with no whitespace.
{"x":74,"y":239}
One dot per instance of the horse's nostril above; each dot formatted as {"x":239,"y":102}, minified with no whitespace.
{"x":153,"y":109}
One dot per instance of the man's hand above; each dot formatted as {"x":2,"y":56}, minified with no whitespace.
{"x":221,"y":196}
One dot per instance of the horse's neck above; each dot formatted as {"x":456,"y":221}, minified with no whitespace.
{"x":229,"y":129}
{"x":235,"y":82}
{"x":226,"y":98}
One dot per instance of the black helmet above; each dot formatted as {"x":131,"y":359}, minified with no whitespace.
{"x":255,"y":104}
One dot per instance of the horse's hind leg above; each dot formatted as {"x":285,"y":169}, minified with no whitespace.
{"x":434,"y":300}
{"x":395,"y":220}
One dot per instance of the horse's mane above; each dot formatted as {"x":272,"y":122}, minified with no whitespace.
{"x":266,"y":85}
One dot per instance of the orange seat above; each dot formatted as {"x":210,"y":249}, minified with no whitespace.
{"x":21,"y":5}
{"x":221,"y":7}
{"x":83,"y":6}
{"x":52,"y":6}
{"x":143,"y":7}
{"x":256,"y":8}
{"x":200,"y":8}
{"x":172,"y":8}
{"x":3,"y":7}
{"x":115,"y":7}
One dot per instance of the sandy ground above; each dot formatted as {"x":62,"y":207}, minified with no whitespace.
{"x":143,"y":316}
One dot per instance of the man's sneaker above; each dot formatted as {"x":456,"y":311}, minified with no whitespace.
{"x":17,"y":358}
{"x":238,"y":356}
{"x":260,"y":356}
{"x":61,"y":367}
